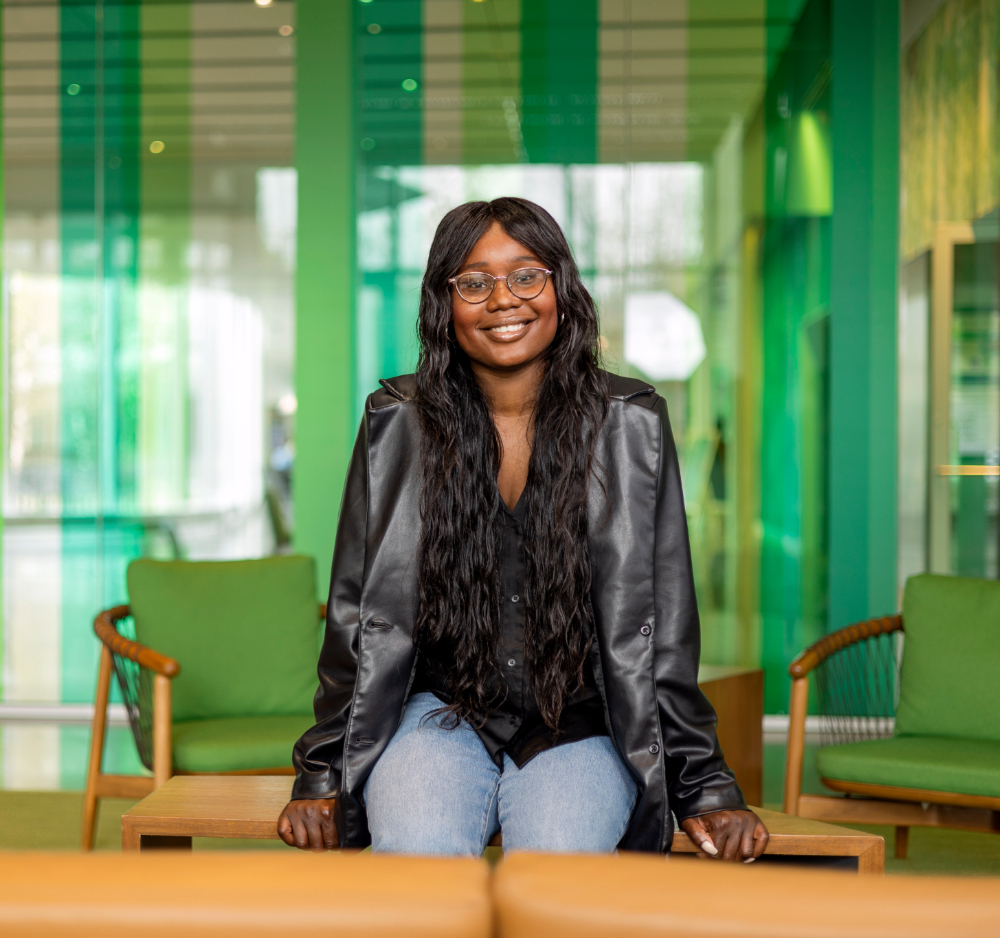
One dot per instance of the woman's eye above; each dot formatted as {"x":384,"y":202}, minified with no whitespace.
{"x":474,"y":284}
{"x":525,"y":276}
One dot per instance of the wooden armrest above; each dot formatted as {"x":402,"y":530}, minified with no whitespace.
{"x":322,"y":610}
{"x":104,"y":627}
{"x":819,"y":651}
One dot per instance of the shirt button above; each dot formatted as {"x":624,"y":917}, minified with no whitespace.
{"x":654,"y":749}
{"x":514,"y":598}
{"x":511,"y":662}
{"x":645,"y":630}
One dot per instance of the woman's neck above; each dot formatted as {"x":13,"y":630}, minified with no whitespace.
{"x":510,"y":394}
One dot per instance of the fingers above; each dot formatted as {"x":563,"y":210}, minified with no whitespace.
{"x":747,"y":842}
{"x":309,"y":825}
{"x":285,"y":829}
{"x":726,"y":833}
{"x":695,"y":829}
{"x":760,"y":839}
{"x":328,"y":828}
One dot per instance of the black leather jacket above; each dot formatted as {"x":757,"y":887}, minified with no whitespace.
{"x":646,"y":617}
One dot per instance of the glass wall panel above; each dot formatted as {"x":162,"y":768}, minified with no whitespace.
{"x":949,"y":461}
{"x":149,"y":243}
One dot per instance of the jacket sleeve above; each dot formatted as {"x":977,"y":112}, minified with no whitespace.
{"x":319,"y":755}
{"x":698,"y":779}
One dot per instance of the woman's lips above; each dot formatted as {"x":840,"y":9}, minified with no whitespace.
{"x":507,"y":332}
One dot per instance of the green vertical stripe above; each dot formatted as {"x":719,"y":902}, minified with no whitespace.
{"x":863,"y":310}
{"x":99,"y":196}
{"x":559,"y":80}
{"x":324,"y":283}
{"x":795,"y":279}
{"x":390,"y":47}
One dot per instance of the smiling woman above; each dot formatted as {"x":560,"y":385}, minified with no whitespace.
{"x":535,"y":671}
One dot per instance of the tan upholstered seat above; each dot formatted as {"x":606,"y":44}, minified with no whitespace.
{"x":227,"y":895}
{"x":646,"y":896}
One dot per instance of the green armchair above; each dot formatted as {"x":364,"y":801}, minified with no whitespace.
{"x":216,"y":662}
{"x":910,"y":727}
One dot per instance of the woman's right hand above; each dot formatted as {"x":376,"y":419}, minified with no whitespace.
{"x":309,"y":824}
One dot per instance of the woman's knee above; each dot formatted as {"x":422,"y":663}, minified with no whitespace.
{"x":576,"y":798}
{"x":431,"y":792}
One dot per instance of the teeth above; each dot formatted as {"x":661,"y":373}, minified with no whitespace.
{"x":502,"y":329}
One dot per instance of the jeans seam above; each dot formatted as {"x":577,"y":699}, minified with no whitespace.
{"x":486,"y":816}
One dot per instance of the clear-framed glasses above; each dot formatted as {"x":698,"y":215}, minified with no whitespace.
{"x":477,"y":287}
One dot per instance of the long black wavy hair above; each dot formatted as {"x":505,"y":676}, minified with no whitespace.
{"x":458,"y":621}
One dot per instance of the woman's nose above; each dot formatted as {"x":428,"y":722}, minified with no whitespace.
{"x":501,"y":298}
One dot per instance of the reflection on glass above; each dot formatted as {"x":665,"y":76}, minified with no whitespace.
{"x":149,"y":248}
{"x":975,"y":410}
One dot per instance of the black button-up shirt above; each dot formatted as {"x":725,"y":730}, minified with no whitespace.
{"x":515,"y":726}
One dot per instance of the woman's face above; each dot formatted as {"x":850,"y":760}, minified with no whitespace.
{"x":527,"y":326}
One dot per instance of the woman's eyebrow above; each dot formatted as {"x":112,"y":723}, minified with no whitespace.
{"x":523,"y":257}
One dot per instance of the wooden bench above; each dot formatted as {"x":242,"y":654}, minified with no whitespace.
{"x":247,"y":807}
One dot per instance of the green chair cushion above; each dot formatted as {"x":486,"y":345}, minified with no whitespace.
{"x":963,"y":766}
{"x":237,"y":743}
{"x":951,"y":658}
{"x":245,"y":633}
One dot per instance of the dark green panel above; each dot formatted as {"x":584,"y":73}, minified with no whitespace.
{"x":99,"y":201}
{"x":863,"y":310}
{"x":795,"y":280}
{"x":389,"y":41}
{"x":559,"y":80}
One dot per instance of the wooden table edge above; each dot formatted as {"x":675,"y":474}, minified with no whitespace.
{"x":134,"y":828}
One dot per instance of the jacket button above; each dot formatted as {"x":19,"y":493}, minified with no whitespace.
{"x":514,"y":598}
{"x":645,"y":630}
{"x":654,"y":749}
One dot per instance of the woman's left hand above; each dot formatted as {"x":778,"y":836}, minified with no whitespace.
{"x":727,"y":835}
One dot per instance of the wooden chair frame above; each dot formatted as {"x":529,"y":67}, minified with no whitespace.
{"x":861,"y":803}
{"x":102,"y":785}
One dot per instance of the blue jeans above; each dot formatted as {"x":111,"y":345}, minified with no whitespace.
{"x":437,"y":791}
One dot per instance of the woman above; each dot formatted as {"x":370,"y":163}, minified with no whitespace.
{"x":512,"y":637}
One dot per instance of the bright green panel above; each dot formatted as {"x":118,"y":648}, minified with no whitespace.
{"x":559,"y":80}
{"x":324,"y":284}
{"x":865,"y":52}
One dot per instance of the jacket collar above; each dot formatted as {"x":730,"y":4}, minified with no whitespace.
{"x":402,"y":387}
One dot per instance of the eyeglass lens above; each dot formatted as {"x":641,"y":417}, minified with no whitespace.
{"x":525,"y":284}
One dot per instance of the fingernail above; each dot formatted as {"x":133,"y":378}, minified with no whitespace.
{"x":750,"y":860}
{"x":709,"y":848}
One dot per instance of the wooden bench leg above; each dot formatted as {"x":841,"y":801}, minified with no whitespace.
{"x":872,"y":861}
{"x":902,"y":842}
